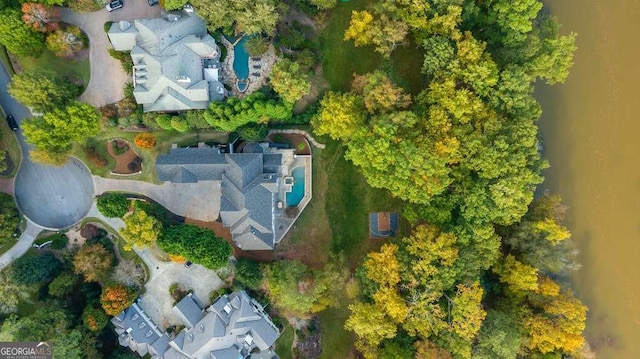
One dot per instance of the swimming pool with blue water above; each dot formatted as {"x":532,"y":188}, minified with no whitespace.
{"x":297,"y":191}
{"x":241,"y":60}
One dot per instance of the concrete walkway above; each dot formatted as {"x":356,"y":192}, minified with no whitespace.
{"x":22,"y":245}
{"x":107,"y":76}
{"x":199,"y":201}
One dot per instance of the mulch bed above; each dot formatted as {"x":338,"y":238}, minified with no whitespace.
{"x":294,"y":140}
{"x":126,"y":163}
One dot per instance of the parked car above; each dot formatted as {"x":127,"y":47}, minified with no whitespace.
{"x":12,"y":122}
{"x":153,"y":2}
{"x":188,"y":264}
{"x":187,"y":8}
{"x":114,"y":5}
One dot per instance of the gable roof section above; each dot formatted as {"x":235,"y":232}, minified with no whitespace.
{"x":188,"y":310}
{"x":190,"y":165}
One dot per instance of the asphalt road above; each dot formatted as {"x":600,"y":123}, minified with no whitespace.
{"x":52,"y":197}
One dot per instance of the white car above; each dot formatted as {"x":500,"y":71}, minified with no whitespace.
{"x":114,"y":5}
{"x":187,"y":8}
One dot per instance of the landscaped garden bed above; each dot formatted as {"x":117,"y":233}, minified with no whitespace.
{"x":296,"y":141}
{"x":127,"y":160}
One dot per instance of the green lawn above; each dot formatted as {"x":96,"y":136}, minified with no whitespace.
{"x":406,"y":62}
{"x":164,"y":140}
{"x":340,"y":58}
{"x":284,"y":342}
{"x":336,"y":341}
{"x":75,"y":70}
{"x":9,"y":142}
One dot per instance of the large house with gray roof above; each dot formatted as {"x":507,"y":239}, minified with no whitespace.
{"x":235,"y":326}
{"x":176,"y":63}
{"x":255,"y":187}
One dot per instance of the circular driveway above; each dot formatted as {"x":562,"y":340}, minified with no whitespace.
{"x":54,"y":197}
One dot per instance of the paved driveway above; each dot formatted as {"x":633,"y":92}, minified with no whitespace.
{"x":22,"y":245}
{"x":199,"y":201}
{"x":53,"y":197}
{"x":157,"y":302}
{"x":107,"y":76}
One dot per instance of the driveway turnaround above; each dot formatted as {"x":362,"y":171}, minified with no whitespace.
{"x":52,"y":197}
{"x":107,"y":76}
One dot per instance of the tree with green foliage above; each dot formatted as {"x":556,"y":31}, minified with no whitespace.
{"x":9,"y":219}
{"x":248,"y":16}
{"x":13,"y":293}
{"x":43,"y":90}
{"x":93,"y":261}
{"x":291,"y":288}
{"x":179,"y":124}
{"x":35,"y":269}
{"x":55,"y":131}
{"x":379,"y":93}
{"x":340,"y":115}
{"x":199,"y":245}
{"x":113,"y":205}
{"x":499,"y":337}
{"x":289,"y":81}
{"x":371,"y":326}
{"x":253,"y":132}
{"x":174,"y":4}
{"x":66,"y":42}
{"x":17,"y":36}
{"x":116,"y":298}
{"x":140,"y":229}
{"x":248,"y":273}
{"x":63,"y":284}
{"x":257,"y":45}
{"x":256,"y":108}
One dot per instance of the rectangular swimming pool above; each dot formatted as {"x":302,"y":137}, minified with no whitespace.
{"x":297,"y":191}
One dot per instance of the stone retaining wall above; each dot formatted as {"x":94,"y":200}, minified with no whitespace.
{"x":306,"y":134}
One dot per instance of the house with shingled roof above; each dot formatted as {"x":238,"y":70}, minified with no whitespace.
{"x":253,"y":185}
{"x":176,"y":63}
{"x":235,"y":326}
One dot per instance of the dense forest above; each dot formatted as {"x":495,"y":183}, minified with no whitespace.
{"x":480,"y":274}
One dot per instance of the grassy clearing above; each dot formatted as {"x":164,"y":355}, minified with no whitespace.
{"x":9,"y":142}
{"x":406,"y":62}
{"x":336,"y":341}
{"x":75,"y":70}
{"x":163,"y":144}
{"x":284,"y":342}
{"x":340,"y":58}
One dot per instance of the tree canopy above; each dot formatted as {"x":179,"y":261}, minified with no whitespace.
{"x":114,"y":205}
{"x":43,"y":90}
{"x":18,"y":37}
{"x":289,"y":81}
{"x":56,"y":131}
{"x":196,"y":244}
{"x":141,"y":229}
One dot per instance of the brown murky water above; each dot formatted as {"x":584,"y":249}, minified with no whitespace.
{"x":591,"y":131}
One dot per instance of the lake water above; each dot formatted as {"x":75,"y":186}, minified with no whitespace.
{"x":591,"y":129}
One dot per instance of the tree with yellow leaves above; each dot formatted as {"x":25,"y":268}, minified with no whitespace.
{"x":140,"y":229}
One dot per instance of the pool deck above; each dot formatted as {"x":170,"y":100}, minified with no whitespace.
{"x":266,"y":62}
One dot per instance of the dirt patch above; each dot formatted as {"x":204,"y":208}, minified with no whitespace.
{"x":296,"y":141}
{"x":127,"y":160}
{"x":308,"y":340}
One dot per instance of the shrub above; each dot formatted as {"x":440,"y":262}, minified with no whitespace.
{"x":135,"y":165}
{"x":94,"y":157}
{"x":89,"y":231}
{"x":164,"y":121}
{"x":145,"y":140}
{"x":118,"y":147}
{"x":253,"y":132}
{"x":179,"y":124}
{"x":58,"y":241}
{"x":113,"y":205}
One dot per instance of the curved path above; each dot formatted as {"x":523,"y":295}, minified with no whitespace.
{"x":107,"y":76}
